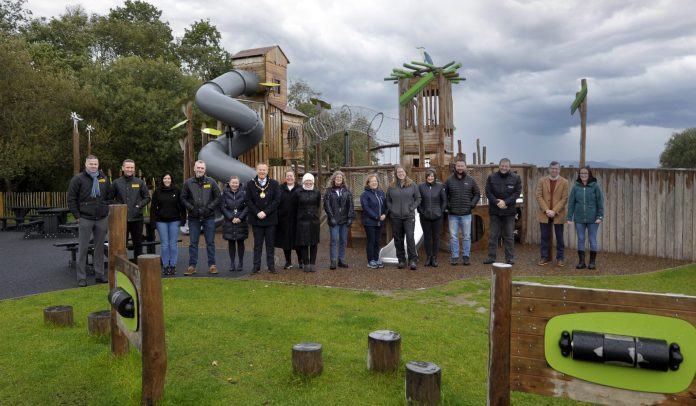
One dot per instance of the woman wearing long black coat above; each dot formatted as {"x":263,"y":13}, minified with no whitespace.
{"x":287,"y":213}
{"x":307,"y":237}
{"x":235,"y":228}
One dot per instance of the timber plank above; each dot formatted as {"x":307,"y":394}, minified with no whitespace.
{"x":619,"y":200}
{"x":669,"y":205}
{"x":644,"y":209}
{"x":678,"y":215}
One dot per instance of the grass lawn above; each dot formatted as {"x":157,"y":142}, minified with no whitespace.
{"x":229,"y":342}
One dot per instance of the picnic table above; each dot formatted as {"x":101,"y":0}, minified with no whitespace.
{"x":20,"y":212}
{"x":48,"y":225}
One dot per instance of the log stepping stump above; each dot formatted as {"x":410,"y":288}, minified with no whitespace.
{"x":99,"y":323}
{"x":423,"y":383}
{"x":59,"y":315}
{"x":383,"y":350}
{"x":307,"y":359}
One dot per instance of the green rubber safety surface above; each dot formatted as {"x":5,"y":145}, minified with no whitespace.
{"x":628,"y":324}
{"x":124,"y":282}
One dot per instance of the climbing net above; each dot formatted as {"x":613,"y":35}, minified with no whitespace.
{"x":383,"y":130}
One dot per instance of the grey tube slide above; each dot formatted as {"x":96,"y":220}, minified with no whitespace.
{"x":216,"y":99}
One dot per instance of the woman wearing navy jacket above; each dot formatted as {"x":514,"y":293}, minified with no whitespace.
{"x":374,"y":213}
{"x":235,"y":228}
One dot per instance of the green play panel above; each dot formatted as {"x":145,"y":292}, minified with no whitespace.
{"x":627,"y":324}
{"x":125,"y":283}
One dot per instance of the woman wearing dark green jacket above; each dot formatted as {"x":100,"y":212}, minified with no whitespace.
{"x":586,"y":209}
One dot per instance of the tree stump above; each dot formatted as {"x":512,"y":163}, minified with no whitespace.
{"x":383,"y":350}
{"x":59,"y":315}
{"x":307,"y":359}
{"x":99,"y":323}
{"x":423,"y":383}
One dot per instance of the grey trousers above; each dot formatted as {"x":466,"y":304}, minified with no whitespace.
{"x":87,"y":228}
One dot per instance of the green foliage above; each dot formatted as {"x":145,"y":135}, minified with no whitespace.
{"x":299,"y":93}
{"x":248,"y":327}
{"x":200,"y":51}
{"x":35,"y":142}
{"x":680,"y":150}
{"x":13,"y":17}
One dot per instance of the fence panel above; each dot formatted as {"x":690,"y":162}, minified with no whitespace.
{"x":647,"y":211}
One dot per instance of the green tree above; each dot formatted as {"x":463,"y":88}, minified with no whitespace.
{"x":133,"y":30}
{"x":35,"y":142}
{"x":13,"y":16}
{"x":139,"y":99}
{"x":63,"y":43}
{"x":680,"y":150}
{"x":299,"y":95}
{"x":200,"y":52}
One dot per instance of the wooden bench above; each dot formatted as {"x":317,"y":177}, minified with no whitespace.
{"x":3,"y":221}
{"x":72,"y":247}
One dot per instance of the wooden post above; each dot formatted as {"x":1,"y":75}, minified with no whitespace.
{"x":421,"y":147}
{"x":59,"y":315}
{"x":423,"y":381}
{"x":76,"y":149}
{"x":307,"y":359}
{"x":317,"y":164}
{"x":473,"y":158}
{"x":484,"y":155}
{"x":499,"y":335}
{"x":305,"y":153}
{"x":478,"y":150}
{"x":99,"y":323}
{"x":188,"y":173}
{"x":154,"y":352}
{"x":459,"y":146}
{"x":583,"y":125}
{"x":118,"y":214}
{"x":383,"y":350}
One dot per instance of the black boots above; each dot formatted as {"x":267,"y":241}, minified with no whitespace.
{"x":593,"y":257}
{"x":581,"y":260}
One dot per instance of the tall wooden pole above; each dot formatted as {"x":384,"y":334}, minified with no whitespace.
{"x":188,"y":163}
{"x":478,"y":151}
{"x":76,"y":149}
{"x":118,"y":214}
{"x":583,"y":123}
{"x":499,"y":336}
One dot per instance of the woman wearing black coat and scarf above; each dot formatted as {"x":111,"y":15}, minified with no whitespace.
{"x":234,"y":228}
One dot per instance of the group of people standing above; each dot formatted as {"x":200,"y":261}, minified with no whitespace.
{"x":287,"y":216}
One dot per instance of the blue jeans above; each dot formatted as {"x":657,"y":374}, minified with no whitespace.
{"x":195,"y":234}
{"x":168,"y":235}
{"x":592,"y":231}
{"x":546,"y":240}
{"x":457,"y":223}
{"x":339,"y":234}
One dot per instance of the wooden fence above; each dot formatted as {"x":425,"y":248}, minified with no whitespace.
{"x":646,"y":211}
{"x":30,"y":199}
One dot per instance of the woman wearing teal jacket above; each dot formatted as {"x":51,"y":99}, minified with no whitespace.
{"x":586,"y":209}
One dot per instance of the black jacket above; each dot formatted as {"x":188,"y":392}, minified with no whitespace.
{"x":200,"y":196}
{"x":234,"y":206}
{"x":81,"y":204}
{"x":503,"y":187}
{"x":166,"y":205}
{"x":132,"y":191}
{"x":462,"y":194}
{"x":287,"y":212}
{"x":338,"y":206}
{"x":308,"y":203}
{"x":267,"y":204}
{"x":433,"y":200}
{"x":402,"y":201}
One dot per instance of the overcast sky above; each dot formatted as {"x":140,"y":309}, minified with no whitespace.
{"x":523,"y":61}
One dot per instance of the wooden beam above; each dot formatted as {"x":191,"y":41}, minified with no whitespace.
{"x":499,"y":335}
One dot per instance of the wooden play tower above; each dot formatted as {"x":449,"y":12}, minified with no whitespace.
{"x":426,"y":118}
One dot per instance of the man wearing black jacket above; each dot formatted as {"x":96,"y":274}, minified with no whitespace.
{"x":201,"y":196}
{"x":462,"y":196}
{"x":132,"y":191}
{"x":89,"y":196}
{"x":503,"y":188}
{"x":262,"y":199}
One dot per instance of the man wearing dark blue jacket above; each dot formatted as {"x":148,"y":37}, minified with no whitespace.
{"x":503,"y":188}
